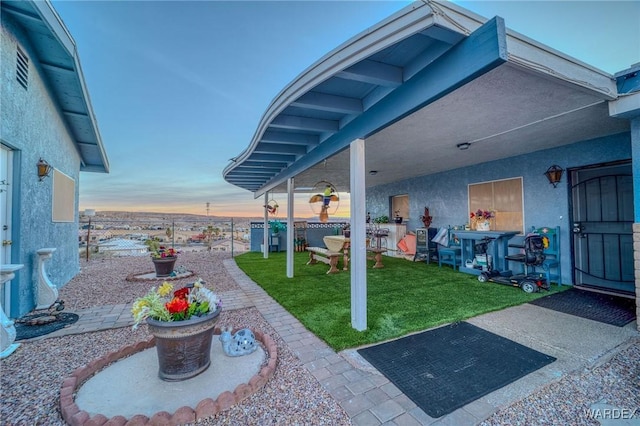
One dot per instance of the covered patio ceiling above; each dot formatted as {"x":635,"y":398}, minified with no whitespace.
{"x":416,"y":86}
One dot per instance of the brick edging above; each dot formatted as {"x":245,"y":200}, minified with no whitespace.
{"x":74,"y":416}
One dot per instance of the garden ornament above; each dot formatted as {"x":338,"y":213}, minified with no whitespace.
{"x":241,"y":343}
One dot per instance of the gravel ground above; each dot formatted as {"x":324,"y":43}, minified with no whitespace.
{"x":615,"y":383}
{"x":31,"y":377}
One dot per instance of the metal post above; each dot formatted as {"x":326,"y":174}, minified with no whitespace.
{"x":231,"y":237}
{"x":88,"y":237}
{"x":89,"y":213}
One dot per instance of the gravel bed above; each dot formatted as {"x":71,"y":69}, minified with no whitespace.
{"x":32,"y":376}
{"x":568,"y":401}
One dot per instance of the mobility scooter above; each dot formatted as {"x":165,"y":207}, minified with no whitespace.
{"x":533,"y":255}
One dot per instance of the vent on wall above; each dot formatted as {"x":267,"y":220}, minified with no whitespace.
{"x":22,"y":68}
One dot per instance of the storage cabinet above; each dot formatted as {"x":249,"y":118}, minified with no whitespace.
{"x":426,"y":249}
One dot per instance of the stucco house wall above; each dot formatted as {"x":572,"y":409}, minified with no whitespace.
{"x":446,"y":193}
{"x":33,"y":126}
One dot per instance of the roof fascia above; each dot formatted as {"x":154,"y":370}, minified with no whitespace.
{"x":626,"y":106}
{"x":60,"y":33}
{"x":530,"y":54}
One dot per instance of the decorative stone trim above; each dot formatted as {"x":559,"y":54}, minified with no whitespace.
{"x":74,"y":416}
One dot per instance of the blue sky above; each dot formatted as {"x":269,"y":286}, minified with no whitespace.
{"x":178,"y":88}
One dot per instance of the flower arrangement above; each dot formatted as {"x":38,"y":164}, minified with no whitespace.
{"x":165,"y":304}
{"x":480,"y":216}
{"x":162,"y":252}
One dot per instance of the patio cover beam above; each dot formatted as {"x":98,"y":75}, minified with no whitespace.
{"x":479,"y":53}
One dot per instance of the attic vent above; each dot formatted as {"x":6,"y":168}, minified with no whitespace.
{"x":22,"y":68}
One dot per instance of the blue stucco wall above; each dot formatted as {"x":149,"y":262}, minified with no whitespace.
{"x":446,"y":193}
{"x":32,"y":125}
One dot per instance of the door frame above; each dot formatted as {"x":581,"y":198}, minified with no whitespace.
{"x":7,"y":183}
{"x":570,"y":185}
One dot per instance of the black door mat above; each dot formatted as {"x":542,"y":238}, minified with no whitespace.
{"x":27,"y":327}
{"x":446,"y":368}
{"x":614,"y":310}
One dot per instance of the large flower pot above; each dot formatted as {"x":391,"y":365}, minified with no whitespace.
{"x":183,"y":347}
{"x":164,"y":265}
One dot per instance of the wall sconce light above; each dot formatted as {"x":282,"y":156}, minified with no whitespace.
{"x":463,"y":146}
{"x":373,"y":172}
{"x":554,"y":174}
{"x":43,"y":169}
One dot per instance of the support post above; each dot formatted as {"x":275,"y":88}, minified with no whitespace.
{"x":290,"y":230}
{"x":358,"y":238}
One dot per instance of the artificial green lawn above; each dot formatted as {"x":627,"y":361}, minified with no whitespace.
{"x":402,"y":297}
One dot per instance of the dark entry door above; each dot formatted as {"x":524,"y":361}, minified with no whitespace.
{"x":602,"y":209}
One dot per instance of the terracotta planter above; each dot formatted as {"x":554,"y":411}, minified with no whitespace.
{"x":184,"y":347}
{"x":164,"y":265}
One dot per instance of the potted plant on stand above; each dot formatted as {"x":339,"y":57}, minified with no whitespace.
{"x":481,"y":219}
{"x":182,"y":322}
{"x":275,"y":227}
{"x":163,"y":258}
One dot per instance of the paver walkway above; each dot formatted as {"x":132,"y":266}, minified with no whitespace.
{"x":366,"y":395}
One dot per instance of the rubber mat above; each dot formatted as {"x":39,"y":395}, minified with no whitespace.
{"x":614,"y":310}
{"x":446,"y":368}
{"x":24,"y":330}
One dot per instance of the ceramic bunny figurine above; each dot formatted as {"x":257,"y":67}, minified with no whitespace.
{"x":241,"y":343}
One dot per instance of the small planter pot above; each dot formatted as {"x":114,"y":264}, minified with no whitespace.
{"x":184,"y":347}
{"x":483,"y":226}
{"x":164,"y":265}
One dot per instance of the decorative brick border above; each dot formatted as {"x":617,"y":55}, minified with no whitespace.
{"x":74,"y":416}
{"x":135,"y":277}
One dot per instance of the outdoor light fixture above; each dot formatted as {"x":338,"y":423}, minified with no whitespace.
{"x":373,"y":172}
{"x":43,"y":169}
{"x":463,"y":146}
{"x":554,"y":174}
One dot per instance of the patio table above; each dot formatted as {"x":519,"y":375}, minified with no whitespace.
{"x":499,"y":241}
{"x":340,"y":243}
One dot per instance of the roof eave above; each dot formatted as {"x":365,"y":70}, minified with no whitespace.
{"x":59,"y":32}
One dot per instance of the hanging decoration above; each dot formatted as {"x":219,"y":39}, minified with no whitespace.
{"x":272,"y":207}
{"x":325,"y":200}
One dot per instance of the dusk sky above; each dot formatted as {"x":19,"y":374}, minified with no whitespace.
{"x":178,"y":88}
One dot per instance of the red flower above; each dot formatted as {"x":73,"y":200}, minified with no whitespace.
{"x":177,"y":306}
{"x":181,"y":293}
